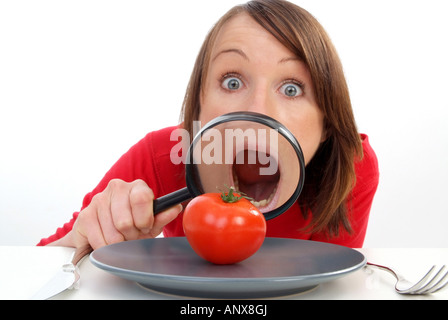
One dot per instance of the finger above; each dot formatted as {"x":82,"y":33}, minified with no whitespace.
{"x":87,"y":230}
{"x":121,"y":212}
{"x":163,"y":218}
{"x":102,"y":224}
{"x":141,"y":199}
{"x":107,"y":228}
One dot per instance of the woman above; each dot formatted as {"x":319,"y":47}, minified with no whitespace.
{"x":270,"y":57}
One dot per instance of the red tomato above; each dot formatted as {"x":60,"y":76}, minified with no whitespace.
{"x":222,"y":232}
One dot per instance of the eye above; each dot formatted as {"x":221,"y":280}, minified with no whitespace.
{"x":291,"y":90}
{"x":231,"y":83}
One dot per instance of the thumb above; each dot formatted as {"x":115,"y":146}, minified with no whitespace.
{"x":162,"y":219}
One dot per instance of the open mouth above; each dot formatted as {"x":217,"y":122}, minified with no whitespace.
{"x":261,"y":188}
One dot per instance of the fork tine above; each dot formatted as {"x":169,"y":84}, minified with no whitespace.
{"x":440,"y":287}
{"x":419,"y":285}
{"x":433,"y":283}
{"x":442,"y":283}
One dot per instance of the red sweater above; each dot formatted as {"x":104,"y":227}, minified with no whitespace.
{"x":149,"y":160}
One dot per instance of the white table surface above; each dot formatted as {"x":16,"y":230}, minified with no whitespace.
{"x":23,"y":270}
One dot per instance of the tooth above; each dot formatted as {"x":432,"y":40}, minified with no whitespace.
{"x":260,"y":204}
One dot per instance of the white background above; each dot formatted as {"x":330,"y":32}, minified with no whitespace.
{"x":82,"y":81}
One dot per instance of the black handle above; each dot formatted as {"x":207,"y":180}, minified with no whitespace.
{"x":170,"y":200}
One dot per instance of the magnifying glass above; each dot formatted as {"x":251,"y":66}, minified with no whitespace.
{"x":251,"y":152}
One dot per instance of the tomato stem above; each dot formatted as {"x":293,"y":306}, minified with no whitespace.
{"x":230,"y":197}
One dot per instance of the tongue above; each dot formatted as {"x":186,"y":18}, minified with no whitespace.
{"x":254,"y":185}
{"x":257,"y":191}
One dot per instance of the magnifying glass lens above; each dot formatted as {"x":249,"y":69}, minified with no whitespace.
{"x":253,"y":158}
{"x":260,"y":159}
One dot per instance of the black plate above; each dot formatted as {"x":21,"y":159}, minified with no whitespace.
{"x":281,"y":267}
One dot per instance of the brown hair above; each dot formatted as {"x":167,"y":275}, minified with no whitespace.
{"x":330,"y":175}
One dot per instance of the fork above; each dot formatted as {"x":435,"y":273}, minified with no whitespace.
{"x":427,"y":285}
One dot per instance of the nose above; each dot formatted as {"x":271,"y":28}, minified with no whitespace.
{"x":260,"y":100}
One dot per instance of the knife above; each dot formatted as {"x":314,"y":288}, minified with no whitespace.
{"x":67,"y":276}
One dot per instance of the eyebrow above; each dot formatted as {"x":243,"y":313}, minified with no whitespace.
{"x":237,"y":51}
{"x":289,"y":59}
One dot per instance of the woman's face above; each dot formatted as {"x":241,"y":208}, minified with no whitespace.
{"x":250,"y":70}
